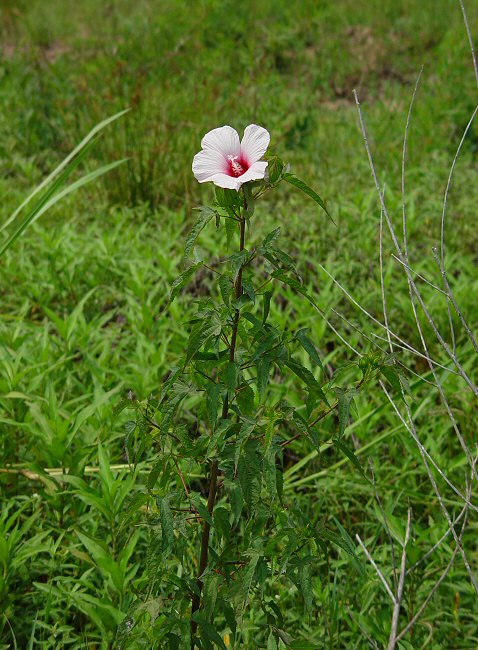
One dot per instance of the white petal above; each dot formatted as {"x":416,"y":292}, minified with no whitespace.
{"x":223,"y":140}
{"x":208,"y":163}
{"x":254,"y":143}
{"x":254,"y":173}
{"x":226,"y":181}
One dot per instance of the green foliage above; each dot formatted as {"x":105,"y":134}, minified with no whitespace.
{"x":219,"y":417}
{"x":184,"y":68}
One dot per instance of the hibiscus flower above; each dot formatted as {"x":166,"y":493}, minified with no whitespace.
{"x":229,"y":163}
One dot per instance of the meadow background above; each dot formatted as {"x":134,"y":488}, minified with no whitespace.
{"x":83,"y":291}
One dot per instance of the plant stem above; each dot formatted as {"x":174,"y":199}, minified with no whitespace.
{"x":196,"y":599}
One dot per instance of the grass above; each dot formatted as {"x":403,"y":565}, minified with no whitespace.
{"x":83,"y":291}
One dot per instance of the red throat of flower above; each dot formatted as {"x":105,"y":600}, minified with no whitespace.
{"x":237,"y":166}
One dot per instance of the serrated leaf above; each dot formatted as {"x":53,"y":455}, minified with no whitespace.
{"x":166,"y":521}
{"x":323,"y":533}
{"x":293,"y":283}
{"x":237,"y":261}
{"x":229,"y":377}
{"x":200,"y":333}
{"x":208,"y":631}
{"x":392,"y":376}
{"x":249,"y":472}
{"x":284,"y":258}
{"x":154,"y":473}
{"x":119,"y":408}
{"x":266,"y":306}
{"x":181,"y":281}
{"x":305,"y":582}
{"x":216,"y":440}
{"x":129,"y":427}
{"x":212,"y":402}
{"x":225,"y":287}
{"x":237,"y":501}
{"x":274,"y":170}
{"x":210,"y":591}
{"x":249,"y":290}
{"x":309,"y":347}
{"x":173,"y":375}
{"x":133,"y":507}
{"x":263,"y":366}
{"x":245,"y":398}
{"x":249,"y":575}
{"x":270,"y":474}
{"x":205,"y":215}
{"x":221,"y":521}
{"x":271,"y":642}
{"x":303,"y":187}
{"x":307,"y":377}
{"x":345,"y":397}
{"x":347,"y":451}
{"x":229,"y":615}
{"x":226,"y":198}
{"x":270,"y":239}
{"x":200,"y":506}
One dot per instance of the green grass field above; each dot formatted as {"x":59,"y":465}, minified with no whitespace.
{"x":83,"y":292}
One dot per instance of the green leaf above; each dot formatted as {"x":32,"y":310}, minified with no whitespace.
{"x":208,"y":631}
{"x":226,"y":198}
{"x":302,"y":645}
{"x":347,"y":451}
{"x":270,"y":239}
{"x":166,"y":520}
{"x":345,"y":399}
{"x":205,"y":215}
{"x":323,"y":533}
{"x":245,"y":398}
{"x":182,"y":280}
{"x":263,"y":366}
{"x":309,"y":347}
{"x":221,"y":521}
{"x":390,"y":373}
{"x":305,"y":582}
{"x":249,"y":200}
{"x":293,"y":283}
{"x":274,"y":170}
{"x":210,"y":591}
{"x":307,"y":377}
{"x":278,"y":257}
{"x":237,"y":261}
{"x":271,"y":642}
{"x":174,"y":373}
{"x":270,"y":474}
{"x":200,"y":506}
{"x":212,"y":402}
{"x":249,"y":472}
{"x":237,"y":501}
{"x":266,"y":306}
{"x":249,"y":290}
{"x":200,"y":333}
{"x":303,"y":187}
{"x":249,"y":575}
{"x":229,"y":377}
{"x":216,"y":441}
{"x":225,"y":287}
{"x":229,"y":615}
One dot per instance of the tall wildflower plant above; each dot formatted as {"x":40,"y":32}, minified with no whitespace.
{"x":221,"y":429}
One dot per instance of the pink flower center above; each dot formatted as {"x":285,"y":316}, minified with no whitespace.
{"x":237,"y":166}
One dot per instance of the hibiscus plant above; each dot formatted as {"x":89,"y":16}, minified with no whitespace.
{"x":223,"y":533}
